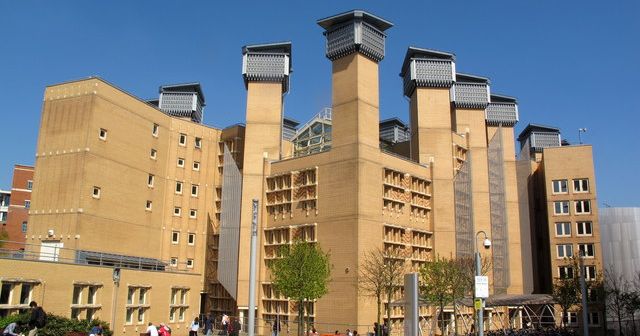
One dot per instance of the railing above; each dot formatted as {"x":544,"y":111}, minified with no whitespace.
{"x":48,"y":253}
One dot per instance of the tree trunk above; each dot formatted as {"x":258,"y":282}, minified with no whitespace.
{"x":619,"y":322}
{"x":300,"y":318}
{"x":379,"y":305}
{"x":633,"y":320}
{"x":388,"y":313}
{"x":442,"y":317}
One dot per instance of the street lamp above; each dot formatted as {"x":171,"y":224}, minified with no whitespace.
{"x":583,"y":292}
{"x":481,"y":284}
{"x":580,"y":131}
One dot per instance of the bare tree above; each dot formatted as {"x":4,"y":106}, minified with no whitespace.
{"x":616,"y":287}
{"x":381,"y":273}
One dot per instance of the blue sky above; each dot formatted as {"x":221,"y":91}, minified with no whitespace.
{"x":571,"y":64}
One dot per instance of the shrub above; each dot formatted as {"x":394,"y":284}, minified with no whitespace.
{"x":57,"y":325}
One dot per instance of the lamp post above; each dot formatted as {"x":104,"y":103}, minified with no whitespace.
{"x":476,"y":293}
{"x":580,"y":131}
{"x":583,"y":292}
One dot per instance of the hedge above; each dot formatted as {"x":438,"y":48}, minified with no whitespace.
{"x":56,"y":325}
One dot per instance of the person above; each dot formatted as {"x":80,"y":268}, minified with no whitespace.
{"x":37,"y":320}
{"x":225,"y":324}
{"x":152,"y":330}
{"x":355,"y":333}
{"x":208,"y":325}
{"x":96,"y":330}
{"x":337,"y":332}
{"x":376,"y":329}
{"x":10,"y":330}
{"x":385,"y":330}
{"x":234,"y":327}
{"x":348,"y":332}
{"x":195,"y":325}
{"x":164,"y":330}
{"x":276,"y":328}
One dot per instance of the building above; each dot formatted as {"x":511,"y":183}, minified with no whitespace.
{"x":5,"y":198}
{"x":563,"y":214}
{"x":138,"y":200}
{"x":18,"y":214}
{"x":620,"y":238}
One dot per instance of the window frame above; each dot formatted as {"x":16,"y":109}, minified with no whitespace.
{"x":198,"y":143}
{"x":590,"y":272}
{"x":195,"y":188}
{"x":11,"y":287}
{"x":196,"y":165}
{"x":77,"y":300}
{"x":182,"y":139}
{"x":563,"y":225}
{"x":149,"y":205}
{"x":178,"y":189}
{"x":96,"y":192}
{"x":584,"y":227}
{"x":571,"y":318}
{"x":566,"y":268}
{"x":175,"y":237}
{"x":582,"y":207}
{"x":193,"y":213}
{"x":173,"y":262}
{"x":128,"y":317}
{"x":27,"y":204}
{"x":29,"y":295}
{"x":581,"y":189}
{"x":177,"y":211}
{"x":155,"y":130}
{"x":180,"y":162}
{"x":559,"y":185}
{"x":92,"y":297}
{"x":564,"y":248}
{"x":567,"y":207}
{"x":151,"y":179}
{"x":584,"y":248}
{"x":190,"y":263}
{"x":590,"y":318}
{"x":102,"y":134}
{"x":29,"y":184}
{"x":191,"y":239}
{"x":153,"y":154}
{"x":25,"y":226}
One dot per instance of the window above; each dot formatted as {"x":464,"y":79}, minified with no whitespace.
{"x":103,"y":134}
{"x":25,"y":293}
{"x":140,"y":315}
{"x":180,"y":162}
{"x":175,"y":237}
{"x":177,"y":211}
{"x":29,"y":185}
{"x":594,"y":318}
{"x":583,"y":207}
{"x":191,"y":239}
{"x":590,"y":273}
{"x":563,"y":229}
{"x":149,"y":205}
{"x":150,"y":180}
{"x":193,"y":213}
{"x":183,"y":297}
{"x":183,"y":139}
{"x":586,"y":250}
{"x":559,"y":186}
{"x":77,"y":295}
{"x":90,"y":313}
{"x":129,"y":316}
{"x":181,"y":315}
{"x":178,"y":187}
{"x":142,"y":298}
{"x":174,"y":295}
{"x":565,"y":272}
{"x":592,"y":295}
{"x":561,"y":207}
{"x":130,"y":294}
{"x":5,"y":293}
{"x":91,"y":294}
{"x":75,"y":313}
{"x":570,"y":318}
{"x":153,"y":154}
{"x":584,"y":228}
{"x":155,"y":129}
{"x":194,"y":190}
{"x":198,"y":142}
{"x":27,"y":203}
{"x":565,"y":250}
{"x":173,"y":262}
{"x":189,"y":263}
{"x":172,"y":315}
{"x":196,"y":165}
{"x":581,"y":185}
{"x":96,"y":192}
{"x":24,"y":227}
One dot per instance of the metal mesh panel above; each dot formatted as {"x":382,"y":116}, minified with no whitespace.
{"x":541,"y":140}
{"x":372,"y":42}
{"x":464,"y":211}
{"x":502,"y":113}
{"x":266,"y":67}
{"x":181,"y":104}
{"x":341,"y":41}
{"x":230,"y":224}
{"x":428,"y":73}
{"x":498,"y":212}
{"x":471,"y":95}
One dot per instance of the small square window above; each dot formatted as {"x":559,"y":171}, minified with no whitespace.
{"x":563,"y":229}
{"x":194,"y":190}
{"x":594,"y":318}
{"x":178,"y":187}
{"x":586,"y":250}
{"x":183,"y":139}
{"x":564,"y":251}
{"x":150,"y":180}
{"x":149,"y":205}
{"x":193,"y":213}
{"x":570,"y":318}
{"x":103,"y":134}
{"x":565,"y":272}
{"x":590,"y":273}
{"x":173,"y":262}
{"x":196,"y":165}
{"x":155,"y":129}
{"x":27,"y":203}
{"x":189,"y":263}
{"x":583,"y":207}
{"x":96,"y":192}
{"x":180,"y":162}
{"x":191,"y":239}
{"x":177,"y":211}
{"x":153,"y":154}
{"x":29,"y":185}
{"x":581,"y":185}
{"x":561,"y":207}
{"x":584,"y":228}
{"x":24,"y":227}
{"x":559,"y":186}
{"x":198,"y":142}
{"x":175,"y":237}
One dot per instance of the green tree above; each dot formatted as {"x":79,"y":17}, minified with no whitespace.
{"x":302,"y":274}
{"x":566,"y":293}
{"x":381,"y":272}
{"x":436,"y":285}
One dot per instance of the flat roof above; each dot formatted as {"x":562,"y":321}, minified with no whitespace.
{"x":415,"y":52}
{"x":498,"y":98}
{"x":393,"y":121}
{"x":469,"y":78}
{"x":536,"y":128}
{"x":367,"y":17}
{"x":195,"y":86}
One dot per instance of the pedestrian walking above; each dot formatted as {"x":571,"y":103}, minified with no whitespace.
{"x":195,"y":325}
{"x":152,"y":330}
{"x":208,"y":325}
